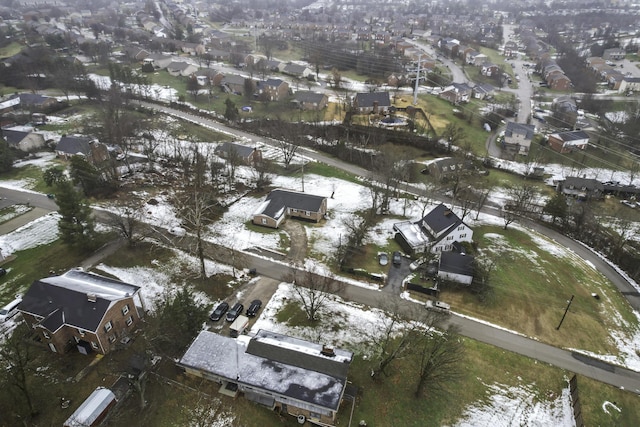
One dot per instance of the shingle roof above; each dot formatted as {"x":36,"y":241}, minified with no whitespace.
{"x":242,"y":150}
{"x":571,"y":135}
{"x":308,"y":96}
{"x":453,"y":262}
{"x":520,"y":128}
{"x":367,"y":99}
{"x":64,"y":299}
{"x":13,"y":137}
{"x":74,"y":145}
{"x":441,"y":218}
{"x":279,"y":199}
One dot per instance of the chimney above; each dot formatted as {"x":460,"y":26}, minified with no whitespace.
{"x":327,"y":351}
{"x":92,"y":297}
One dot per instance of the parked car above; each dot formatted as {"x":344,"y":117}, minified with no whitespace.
{"x":254,"y":307}
{"x":2,"y":271}
{"x":383,"y":258}
{"x":439,"y":306}
{"x":417,"y":263}
{"x":397,"y":259}
{"x":235,"y":311}
{"x":219,"y":311}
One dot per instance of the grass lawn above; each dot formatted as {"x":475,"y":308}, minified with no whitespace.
{"x":10,"y":49}
{"x":533,"y":303}
{"x":31,"y":174}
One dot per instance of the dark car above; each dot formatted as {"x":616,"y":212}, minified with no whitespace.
{"x":397,"y":259}
{"x":254,"y":307}
{"x":220,"y":310}
{"x":235,"y":311}
{"x":2,"y":271}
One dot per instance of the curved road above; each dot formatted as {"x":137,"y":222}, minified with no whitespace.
{"x":616,"y":376}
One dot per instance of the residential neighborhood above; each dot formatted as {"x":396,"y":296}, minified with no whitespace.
{"x":319,"y":213}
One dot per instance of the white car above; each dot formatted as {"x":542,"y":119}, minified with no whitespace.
{"x":439,"y":306}
{"x":177,"y":231}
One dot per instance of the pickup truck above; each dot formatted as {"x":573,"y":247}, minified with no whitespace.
{"x":439,"y":306}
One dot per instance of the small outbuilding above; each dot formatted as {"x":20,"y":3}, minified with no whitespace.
{"x":93,"y":410}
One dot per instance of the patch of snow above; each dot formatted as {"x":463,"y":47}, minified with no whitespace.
{"x":41,"y":231}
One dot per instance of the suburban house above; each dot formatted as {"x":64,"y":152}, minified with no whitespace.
{"x":74,"y":145}
{"x":286,"y":374}
{"x":372,"y":102}
{"x":281,"y":203}
{"x":83,"y":310}
{"x":436,"y":232}
{"x":248,"y":155}
{"x":483,"y":91}
{"x":272,"y":89}
{"x":629,"y":84}
{"x":581,"y":188}
{"x":518,"y":137}
{"x":296,"y":70}
{"x":456,"y":93}
{"x":181,"y":69}
{"x":614,"y":54}
{"x":233,"y":83}
{"x":565,"y":142}
{"x":307,"y":100}
{"x":23,"y":139}
{"x":159,"y":60}
{"x":456,"y":267}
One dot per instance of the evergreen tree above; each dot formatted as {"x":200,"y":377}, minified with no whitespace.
{"x":557,"y":207}
{"x":6,"y":156}
{"x":85,"y":174}
{"x":76,"y":225}
{"x":231,"y":111}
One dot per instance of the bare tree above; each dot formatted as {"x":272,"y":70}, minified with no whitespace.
{"x":261,"y":172}
{"x":439,"y":357}
{"x":313,"y":290}
{"x":288,"y":150}
{"x":127,"y":219}
{"x":521,"y":201}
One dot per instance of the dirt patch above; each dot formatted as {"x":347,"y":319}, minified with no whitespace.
{"x":298,"y":240}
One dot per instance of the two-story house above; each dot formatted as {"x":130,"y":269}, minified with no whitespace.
{"x":272,"y":89}
{"x":436,"y":232}
{"x":565,"y":142}
{"x":81,"y":310}
{"x":518,"y":137}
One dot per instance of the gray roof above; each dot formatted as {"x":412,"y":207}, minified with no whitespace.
{"x":308,"y":96}
{"x":572,"y":135}
{"x":233,"y":79}
{"x":441,"y":218}
{"x":586,"y":183}
{"x":455,"y":263}
{"x":367,"y":99}
{"x":13,"y":137}
{"x":279,"y":199}
{"x":520,"y":128}
{"x":242,"y":150}
{"x":63,"y":300}
{"x":74,"y":145}
{"x":273,"y":363}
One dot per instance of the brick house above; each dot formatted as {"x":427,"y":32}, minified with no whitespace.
{"x":272,"y":89}
{"x":83,"y":310}
{"x":565,"y":142}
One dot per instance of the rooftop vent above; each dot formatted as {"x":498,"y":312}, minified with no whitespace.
{"x":92,"y":297}
{"x":327,"y":351}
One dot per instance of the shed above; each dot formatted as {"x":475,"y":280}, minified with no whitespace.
{"x":93,"y":410}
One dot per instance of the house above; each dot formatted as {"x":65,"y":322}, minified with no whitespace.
{"x":76,"y":145}
{"x":456,"y":267}
{"x":518,"y":137}
{"x":457,"y":92}
{"x":23,"y":139}
{"x":629,"y":84}
{"x":282,"y":203}
{"x":565,"y":142}
{"x":483,"y":91}
{"x":446,"y":167}
{"x":614,"y":54}
{"x":436,"y":232}
{"x":159,"y":61}
{"x":489,"y":69}
{"x":286,"y":374}
{"x":233,"y":83}
{"x":272,"y":89}
{"x":476,"y":58}
{"x":307,"y":100}
{"x":372,"y":102}
{"x":296,"y":70}
{"x":558,"y":81}
{"x":181,"y":69}
{"x":83,"y":310}
{"x":581,"y":188}
{"x":35,"y":102}
{"x":247,"y":155}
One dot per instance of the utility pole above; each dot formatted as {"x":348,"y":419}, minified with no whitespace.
{"x":565,"y":313}
{"x":415,"y":91}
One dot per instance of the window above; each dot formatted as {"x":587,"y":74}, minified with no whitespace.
{"x":294,"y":210}
{"x":264,"y":220}
{"x":461,"y":228}
{"x":125,"y":310}
{"x":308,"y":213}
{"x":112,"y":338}
{"x":129,"y":321}
{"x":94,"y":345}
{"x":449,"y":237}
{"x":46,"y":335}
{"x":463,"y":235}
{"x":108,"y":326}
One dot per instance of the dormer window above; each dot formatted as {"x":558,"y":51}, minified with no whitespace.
{"x":125,"y":310}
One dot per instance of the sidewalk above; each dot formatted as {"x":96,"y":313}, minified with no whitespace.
{"x":21,"y":220}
